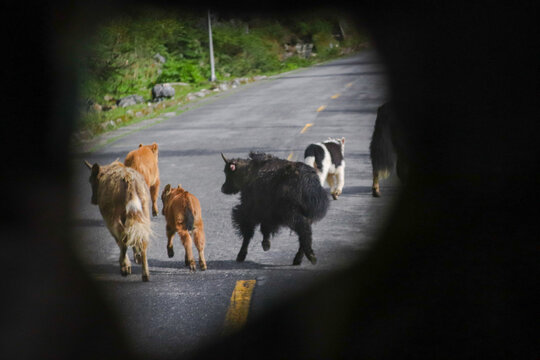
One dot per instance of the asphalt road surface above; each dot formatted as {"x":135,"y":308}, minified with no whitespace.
{"x":179,"y":310}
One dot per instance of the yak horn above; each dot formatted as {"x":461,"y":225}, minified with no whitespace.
{"x":224,"y":158}
{"x":88,"y":164}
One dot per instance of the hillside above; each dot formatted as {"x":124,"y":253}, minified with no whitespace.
{"x":128,"y":56}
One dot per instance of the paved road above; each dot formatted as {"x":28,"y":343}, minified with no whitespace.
{"x":178,"y":310}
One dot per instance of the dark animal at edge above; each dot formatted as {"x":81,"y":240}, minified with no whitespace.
{"x":386,"y":149}
{"x":275,"y":193}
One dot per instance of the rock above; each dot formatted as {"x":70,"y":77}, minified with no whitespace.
{"x":159,"y":58}
{"x":162,"y":91}
{"x":130,"y":100}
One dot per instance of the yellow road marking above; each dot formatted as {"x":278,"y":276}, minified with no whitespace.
{"x":305,"y":128}
{"x":349,"y":85}
{"x":335,"y":96}
{"x":290,"y":156}
{"x":239,"y":307}
{"x":321,"y":108}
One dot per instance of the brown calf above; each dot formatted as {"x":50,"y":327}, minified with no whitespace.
{"x":182,"y":211}
{"x":145,"y":160}
{"x":123,"y":200}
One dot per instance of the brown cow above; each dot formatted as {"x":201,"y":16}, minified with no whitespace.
{"x":182,"y":211}
{"x":123,"y":200}
{"x":145,"y":160}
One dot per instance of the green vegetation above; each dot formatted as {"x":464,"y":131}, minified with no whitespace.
{"x":121,"y":57}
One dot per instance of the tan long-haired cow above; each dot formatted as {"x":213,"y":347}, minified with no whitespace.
{"x":123,"y":199}
{"x":182,"y":211}
{"x":145,"y":160}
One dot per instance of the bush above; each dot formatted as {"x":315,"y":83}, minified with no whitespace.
{"x":188,"y":71}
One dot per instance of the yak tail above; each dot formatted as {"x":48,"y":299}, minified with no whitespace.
{"x":137,"y":227}
{"x":315,"y":200}
{"x":313,"y":156}
{"x":189,"y":219}
{"x":381,"y":148}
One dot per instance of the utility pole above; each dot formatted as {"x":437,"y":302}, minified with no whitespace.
{"x":212,"y":69}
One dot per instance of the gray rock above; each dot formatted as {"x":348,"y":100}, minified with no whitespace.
{"x":130,"y":100}
{"x":159,"y":58}
{"x":162,"y":91}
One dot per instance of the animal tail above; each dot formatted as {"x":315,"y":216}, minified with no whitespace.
{"x":189,"y":219}
{"x":314,"y":199}
{"x":382,"y":151}
{"x":313,"y":156}
{"x":137,"y":226}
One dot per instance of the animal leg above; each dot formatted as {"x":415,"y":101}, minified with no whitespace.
{"x":170,"y":237}
{"x":200,"y":239}
{"x":267,"y":232}
{"x":340,"y":177}
{"x":375,"y":191}
{"x":188,"y":243}
{"x":330,"y":179}
{"x":247,"y":235}
{"x":246,"y":228}
{"x":401,"y":170}
{"x":136,"y":255}
{"x":154,"y":191}
{"x":125,"y":264}
{"x":302,"y":227}
{"x":299,"y":256}
{"x":144,"y":260}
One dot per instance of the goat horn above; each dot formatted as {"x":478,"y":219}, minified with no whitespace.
{"x":88,"y":164}
{"x":224,"y":158}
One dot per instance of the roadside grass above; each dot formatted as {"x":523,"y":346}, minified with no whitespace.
{"x":92,"y":123}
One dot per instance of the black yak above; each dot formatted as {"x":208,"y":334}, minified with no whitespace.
{"x":275,"y":193}
{"x":386,"y":149}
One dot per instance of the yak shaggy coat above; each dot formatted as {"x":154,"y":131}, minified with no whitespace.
{"x":182,"y":212}
{"x":275,"y":193}
{"x":386,"y":148}
{"x":145,"y":160}
{"x":123,"y":200}
{"x":327,"y":158}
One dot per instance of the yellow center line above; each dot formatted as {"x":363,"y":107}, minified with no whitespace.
{"x":290,"y":156}
{"x":321,"y":108}
{"x":305,"y":128}
{"x":239,"y":307}
{"x":335,"y":96}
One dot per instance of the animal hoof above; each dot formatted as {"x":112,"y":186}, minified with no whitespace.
{"x":125,"y":271}
{"x":298,"y":258}
{"x":145,"y":278}
{"x":203,"y":266}
{"x":241,"y":257}
{"x":266,"y":245}
{"x":170,"y":252}
{"x":335,"y":196}
{"x":154,"y":213}
{"x":312,"y":258}
{"x":375,"y":193}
